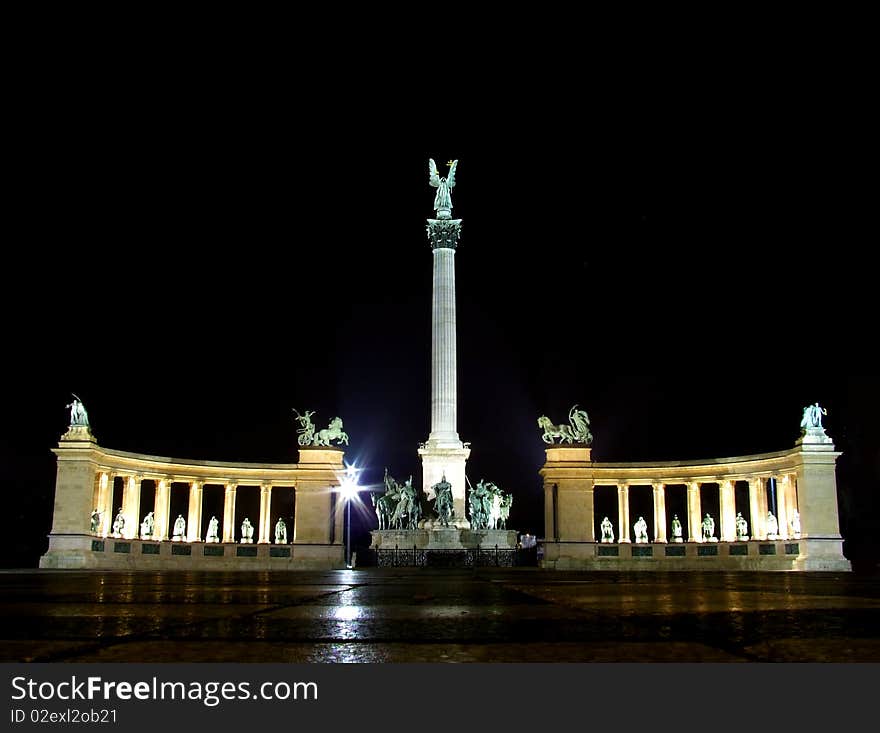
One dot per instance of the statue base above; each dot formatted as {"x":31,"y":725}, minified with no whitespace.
{"x":79,"y":433}
{"x":247,"y":542}
{"x":678,"y":540}
{"x":815,"y":436}
{"x":212,"y":539}
{"x":443,"y":538}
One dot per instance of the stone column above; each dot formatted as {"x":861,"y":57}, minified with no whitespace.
{"x":784,"y":511}
{"x":758,"y":509}
{"x":659,"y":513}
{"x":265,"y":513}
{"x":444,"y":454}
{"x":105,"y":504}
{"x":623,"y":512}
{"x":194,"y":520}
{"x":229,"y":512}
{"x":162,"y":513}
{"x":131,"y":506}
{"x":695,"y":513}
{"x":728,"y":511}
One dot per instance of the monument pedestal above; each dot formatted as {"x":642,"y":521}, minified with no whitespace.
{"x":443,"y":538}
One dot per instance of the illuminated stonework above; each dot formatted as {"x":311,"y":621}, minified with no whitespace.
{"x":806,"y":499}
{"x":86,"y":472}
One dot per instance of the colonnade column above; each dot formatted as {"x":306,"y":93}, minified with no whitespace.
{"x":105,"y":504}
{"x":229,"y":512}
{"x":131,"y":504}
{"x":659,"y":512}
{"x":728,"y":511}
{"x":265,"y":513}
{"x":194,"y":521}
{"x":695,"y":513}
{"x":758,"y":508}
{"x":623,"y":512}
{"x":163,"y":508}
{"x":783,"y":499}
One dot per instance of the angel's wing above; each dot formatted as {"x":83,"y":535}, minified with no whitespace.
{"x":450,"y":179}
{"x":433,"y":173}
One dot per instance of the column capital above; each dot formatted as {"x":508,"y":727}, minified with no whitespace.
{"x":196,"y":484}
{"x":694,"y":485}
{"x":658,"y":485}
{"x":265,"y":486}
{"x":230,"y":485}
{"x":444,"y":233}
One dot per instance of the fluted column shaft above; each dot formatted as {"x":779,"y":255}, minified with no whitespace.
{"x":728,"y":511}
{"x":623,"y":512}
{"x":443,"y":350}
{"x":131,"y":503}
{"x":229,"y":512}
{"x":105,"y":504}
{"x":659,"y":512}
{"x":194,"y":520}
{"x":783,"y":499}
{"x":163,"y":509}
{"x":265,"y":513}
{"x":695,"y":511}
{"x":758,"y":508}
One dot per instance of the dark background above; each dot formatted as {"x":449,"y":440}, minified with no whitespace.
{"x":192,"y":279}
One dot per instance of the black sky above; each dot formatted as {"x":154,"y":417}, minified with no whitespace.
{"x":195,"y":283}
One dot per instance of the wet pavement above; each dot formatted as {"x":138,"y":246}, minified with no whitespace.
{"x":419,"y":615}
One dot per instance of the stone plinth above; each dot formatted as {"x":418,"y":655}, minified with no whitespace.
{"x":451,"y":538}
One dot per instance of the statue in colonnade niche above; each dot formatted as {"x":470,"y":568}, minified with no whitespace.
{"x":213,"y":530}
{"x":280,"y":532}
{"x":577,"y":431}
{"x":641,"y":531}
{"x":709,"y":529}
{"x":95,"y":521}
{"x":772,"y":527}
{"x":813,"y":417}
{"x":179,"y":532}
{"x":247,"y":531}
{"x":742,"y":528}
{"x":78,"y":415}
{"x":676,"y":529}
{"x":607,"y":531}
{"x":118,"y":524}
{"x":443,"y":502}
{"x":796,"y":525}
{"x":147,"y":527}
{"x":306,"y":430}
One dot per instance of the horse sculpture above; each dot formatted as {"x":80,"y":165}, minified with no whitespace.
{"x":578,"y":431}
{"x":384,"y":506}
{"x":333,"y":432}
{"x":551,"y":431}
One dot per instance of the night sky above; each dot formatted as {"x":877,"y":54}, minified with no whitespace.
{"x":192,"y":291}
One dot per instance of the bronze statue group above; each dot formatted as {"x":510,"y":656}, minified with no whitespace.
{"x":400,"y":506}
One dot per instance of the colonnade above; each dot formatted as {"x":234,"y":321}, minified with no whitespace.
{"x":85,"y":482}
{"x":805,"y":483}
{"x":759,"y":507}
{"x":132,"y":513}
